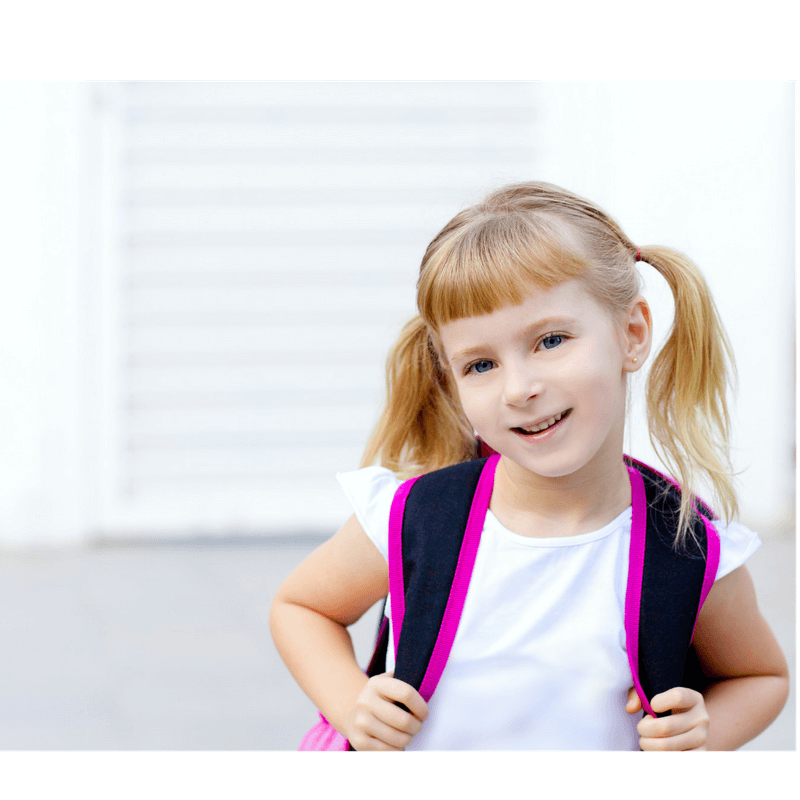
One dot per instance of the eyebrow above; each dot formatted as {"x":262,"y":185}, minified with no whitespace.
{"x":539,"y":325}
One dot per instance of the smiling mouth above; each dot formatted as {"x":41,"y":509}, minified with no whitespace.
{"x":543,"y":426}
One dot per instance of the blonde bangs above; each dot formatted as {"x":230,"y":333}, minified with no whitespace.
{"x":494,"y":262}
{"x":536,"y":236}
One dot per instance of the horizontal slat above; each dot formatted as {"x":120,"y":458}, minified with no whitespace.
{"x":285,"y":221}
{"x":340,"y":114}
{"x":372,"y":94}
{"x":288,"y":179}
{"x":389,"y":235}
{"x":346,"y":135}
{"x":486,"y":156}
{"x":249,"y":427}
{"x":269,"y":198}
{"x":255,"y":359}
{"x":182,"y":276}
{"x":272,"y":302}
{"x":264,"y":340}
{"x":221,"y":465}
{"x":332,"y":317}
{"x":154,"y":265}
{"x":230,"y":400}
{"x":252,"y":382}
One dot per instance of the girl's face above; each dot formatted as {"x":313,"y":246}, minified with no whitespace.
{"x":543,"y":382}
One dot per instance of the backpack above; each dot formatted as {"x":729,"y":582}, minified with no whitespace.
{"x":435,"y":525}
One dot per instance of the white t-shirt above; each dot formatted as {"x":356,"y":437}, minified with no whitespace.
{"x":539,"y":661}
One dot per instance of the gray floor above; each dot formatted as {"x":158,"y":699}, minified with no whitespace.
{"x":168,"y":647}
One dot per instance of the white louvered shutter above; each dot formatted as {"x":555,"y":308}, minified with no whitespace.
{"x":267,"y":238}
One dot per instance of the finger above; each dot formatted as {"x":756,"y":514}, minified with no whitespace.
{"x":396,"y":717}
{"x":389,"y":737}
{"x":634,"y":703}
{"x":694,"y":739}
{"x":663,"y":727}
{"x":678,"y":698}
{"x":673,"y":725}
{"x":398,"y":691}
{"x":363,"y":742}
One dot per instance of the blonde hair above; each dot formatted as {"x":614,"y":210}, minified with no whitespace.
{"x":538,"y":235}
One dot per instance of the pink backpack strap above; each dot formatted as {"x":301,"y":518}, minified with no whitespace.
{"x":712,"y":564}
{"x":461,"y":579}
{"x":458,"y":591}
{"x":633,"y":592}
{"x":398,"y":601}
{"x":661,"y":612}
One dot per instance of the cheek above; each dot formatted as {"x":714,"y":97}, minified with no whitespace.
{"x":604,"y":383}
{"x":474,"y":403}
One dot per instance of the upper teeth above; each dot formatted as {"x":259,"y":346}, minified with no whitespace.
{"x":546,"y":424}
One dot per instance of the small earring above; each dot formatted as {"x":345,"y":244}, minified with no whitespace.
{"x":635,"y":360}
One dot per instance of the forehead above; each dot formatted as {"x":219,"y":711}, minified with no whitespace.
{"x":567,"y":305}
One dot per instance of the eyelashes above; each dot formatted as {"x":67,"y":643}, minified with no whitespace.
{"x":549,"y":341}
{"x":475,"y":366}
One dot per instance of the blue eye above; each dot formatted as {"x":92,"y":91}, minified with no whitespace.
{"x":554,"y":340}
{"x":480,"y":366}
{"x":549,"y":342}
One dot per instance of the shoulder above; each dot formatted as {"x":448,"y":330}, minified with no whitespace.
{"x":369,"y":481}
{"x":457,"y":480}
{"x":370,"y":492}
{"x":732,"y":638}
{"x":446,"y":495}
{"x":736,"y":544}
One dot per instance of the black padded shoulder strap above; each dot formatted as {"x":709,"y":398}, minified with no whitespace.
{"x":434,"y":522}
{"x":672,"y":585}
{"x":435,"y":518}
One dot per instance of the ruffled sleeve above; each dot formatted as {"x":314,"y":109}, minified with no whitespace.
{"x":370,"y":492}
{"x":737,"y":544}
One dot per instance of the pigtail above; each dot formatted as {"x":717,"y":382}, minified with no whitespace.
{"x":422,"y":427}
{"x":686,"y":389}
{"x":535,"y":234}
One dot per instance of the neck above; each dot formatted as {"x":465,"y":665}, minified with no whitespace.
{"x":584,"y":501}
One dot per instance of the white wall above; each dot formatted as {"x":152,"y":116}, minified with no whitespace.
{"x":42,"y":256}
{"x":705,"y":168}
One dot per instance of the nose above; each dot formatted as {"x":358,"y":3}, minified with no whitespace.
{"x":521,"y":385}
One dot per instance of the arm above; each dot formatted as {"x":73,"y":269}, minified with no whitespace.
{"x":736,"y":645}
{"x":310,"y":613}
{"x":736,"y":648}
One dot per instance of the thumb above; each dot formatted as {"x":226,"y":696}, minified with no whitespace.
{"x":634,"y":703}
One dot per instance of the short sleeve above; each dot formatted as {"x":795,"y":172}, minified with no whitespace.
{"x":370,"y":492}
{"x":736,"y":544}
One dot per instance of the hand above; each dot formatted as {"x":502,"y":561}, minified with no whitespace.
{"x":685,"y":729}
{"x":376,"y":723}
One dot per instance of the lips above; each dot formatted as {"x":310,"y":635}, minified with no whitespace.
{"x":543,"y":425}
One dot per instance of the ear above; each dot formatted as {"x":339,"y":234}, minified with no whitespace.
{"x":637,"y":334}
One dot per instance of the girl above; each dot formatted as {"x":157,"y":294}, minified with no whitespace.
{"x":530,"y":320}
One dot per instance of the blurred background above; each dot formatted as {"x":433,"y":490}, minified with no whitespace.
{"x":201,"y":281}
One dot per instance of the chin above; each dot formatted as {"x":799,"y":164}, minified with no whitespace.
{"x":545,"y":467}
{"x":558,"y":465}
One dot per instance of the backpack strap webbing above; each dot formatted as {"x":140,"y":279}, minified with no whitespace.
{"x":433,"y":542}
{"x":667,"y":586}
{"x":429,"y":548}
